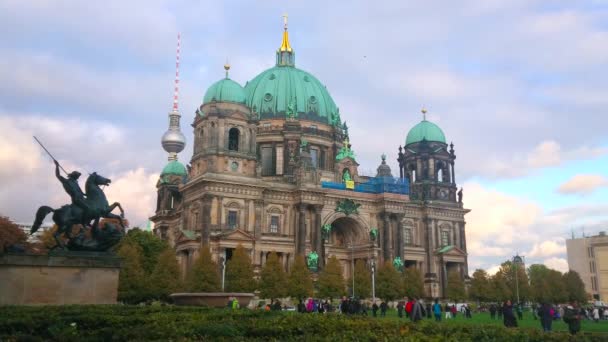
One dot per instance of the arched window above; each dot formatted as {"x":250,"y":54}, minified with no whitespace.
{"x":233,"y":139}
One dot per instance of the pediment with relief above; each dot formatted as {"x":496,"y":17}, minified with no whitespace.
{"x":236,"y":235}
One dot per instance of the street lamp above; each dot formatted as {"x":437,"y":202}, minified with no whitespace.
{"x":517,"y":260}
{"x":223,"y":263}
{"x":373,"y":280}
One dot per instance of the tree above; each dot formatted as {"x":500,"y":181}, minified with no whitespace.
{"x":413,"y":283}
{"x":166,"y":278}
{"x":299,"y":282}
{"x":11,"y":235}
{"x":387,"y":282}
{"x":273,"y":281}
{"x":151,"y":246}
{"x":331,"y":281}
{"x":508,"y":271}
{"x":541,"y":290}
{"x":455,"y":287}
{"x":132,"y":279}
{"x":499,"y":289}
{"x":239,"y":272}
{"x":575,"y":287}
{"x":547,"y":284}
{"x":480,"y":286}
{"x":204,"y":275}
{"x":363,"y":280}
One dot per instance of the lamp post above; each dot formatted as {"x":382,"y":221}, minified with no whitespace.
{"x":516,"y":262}
{"x":373,"y":280}
{"x":223,"y":263}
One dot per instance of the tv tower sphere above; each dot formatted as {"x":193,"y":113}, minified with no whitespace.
{"x":173,"y":141}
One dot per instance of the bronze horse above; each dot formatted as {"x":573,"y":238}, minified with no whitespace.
{"x":97,"y":206}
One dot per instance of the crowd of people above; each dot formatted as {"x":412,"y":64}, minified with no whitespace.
{"x":417,"y":309}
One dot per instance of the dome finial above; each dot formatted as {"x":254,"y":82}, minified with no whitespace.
{"x":423,"y":113}
{"x":227,"y":67}
{"x":285,"y":47}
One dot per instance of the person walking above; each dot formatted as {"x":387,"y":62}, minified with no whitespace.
{"x":508,"y":316}
{"x":596,"y":315}
{"x":493,"y":311}
{"x":400,"y":307}
{"x":416,"y":313}
{"x":572,"y":317}
{"x":454,"y":310}
{"x":374,"y":309}
{"x":546,"y":316}
{"x":383,"y":308}
{"x":448,"y":311}
{"x":520,"y":313}
{"x":437,"y":310}
{"x":429,"y":310}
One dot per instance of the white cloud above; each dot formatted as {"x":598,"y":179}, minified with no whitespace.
{"x":135,"y":192}
{"x":547,"y":248}
{"x":492,"y":270}
{"x":546,"y":154}
{"x":583,"y":184}
{"x":559,"y":264}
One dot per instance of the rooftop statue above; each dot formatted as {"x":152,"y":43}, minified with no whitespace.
{"x":86,"y":209}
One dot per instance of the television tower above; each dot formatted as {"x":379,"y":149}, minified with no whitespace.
{"x":173,"y":140}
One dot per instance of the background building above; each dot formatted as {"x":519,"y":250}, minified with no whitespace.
{"x":272,"y":169}
{"x":589,"y":257}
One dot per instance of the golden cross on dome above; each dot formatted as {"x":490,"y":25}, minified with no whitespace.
{"x":423,"y":113}
{"x":285,"y":21}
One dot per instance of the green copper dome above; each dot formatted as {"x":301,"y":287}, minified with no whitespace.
{"x":425,"y":130}
{"x":279,"y":91}
{"x":225,"y":90}
{"x":174,"y":168}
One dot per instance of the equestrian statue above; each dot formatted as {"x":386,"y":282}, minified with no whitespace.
{"x":86,"y":209}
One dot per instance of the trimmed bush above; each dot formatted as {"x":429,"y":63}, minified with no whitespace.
{"x":145,"y":323}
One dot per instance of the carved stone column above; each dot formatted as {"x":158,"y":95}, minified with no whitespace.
{"x":319,"y":244}
{"x":257,"y":229}
{"x":428,"y":228}
{"x":206,"y":220}
{"x":463,"y":246}
{"x":301,"y":246}
{"x":386,"y":252}
{"x":400,"y":228}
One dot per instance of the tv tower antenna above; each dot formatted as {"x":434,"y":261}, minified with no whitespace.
{"x":173,"y":141}
{"x":176,"y":90}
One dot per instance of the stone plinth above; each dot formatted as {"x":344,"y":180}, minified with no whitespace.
{"x":70,"y":278}
{"x":211,"y":299}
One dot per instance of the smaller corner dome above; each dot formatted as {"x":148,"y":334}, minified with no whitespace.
{"x":225,"y":90}
{"x":174,"y":167}
{"x":425,"y":130}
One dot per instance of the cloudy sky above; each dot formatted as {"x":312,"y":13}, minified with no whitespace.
{"x":520,"y":87}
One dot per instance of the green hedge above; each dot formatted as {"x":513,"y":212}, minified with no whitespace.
{"x":119,"y":323}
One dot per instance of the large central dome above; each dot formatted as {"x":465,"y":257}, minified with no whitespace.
{"x":286,"y":90}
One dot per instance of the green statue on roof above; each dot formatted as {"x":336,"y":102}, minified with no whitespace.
{"x":291,"y":110}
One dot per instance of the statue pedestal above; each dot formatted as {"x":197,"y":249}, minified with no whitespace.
{"x":59,"y":279}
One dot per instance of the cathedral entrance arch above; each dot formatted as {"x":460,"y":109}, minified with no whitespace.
{"x":345,"y":231}
{"x":348,"y":241}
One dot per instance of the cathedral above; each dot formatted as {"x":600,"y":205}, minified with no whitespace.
{"x":272,"y":169}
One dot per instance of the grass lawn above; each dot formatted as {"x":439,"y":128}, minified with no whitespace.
{"x":527,"y":322}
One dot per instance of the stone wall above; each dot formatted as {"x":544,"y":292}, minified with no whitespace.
{"x":84,"y":278}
